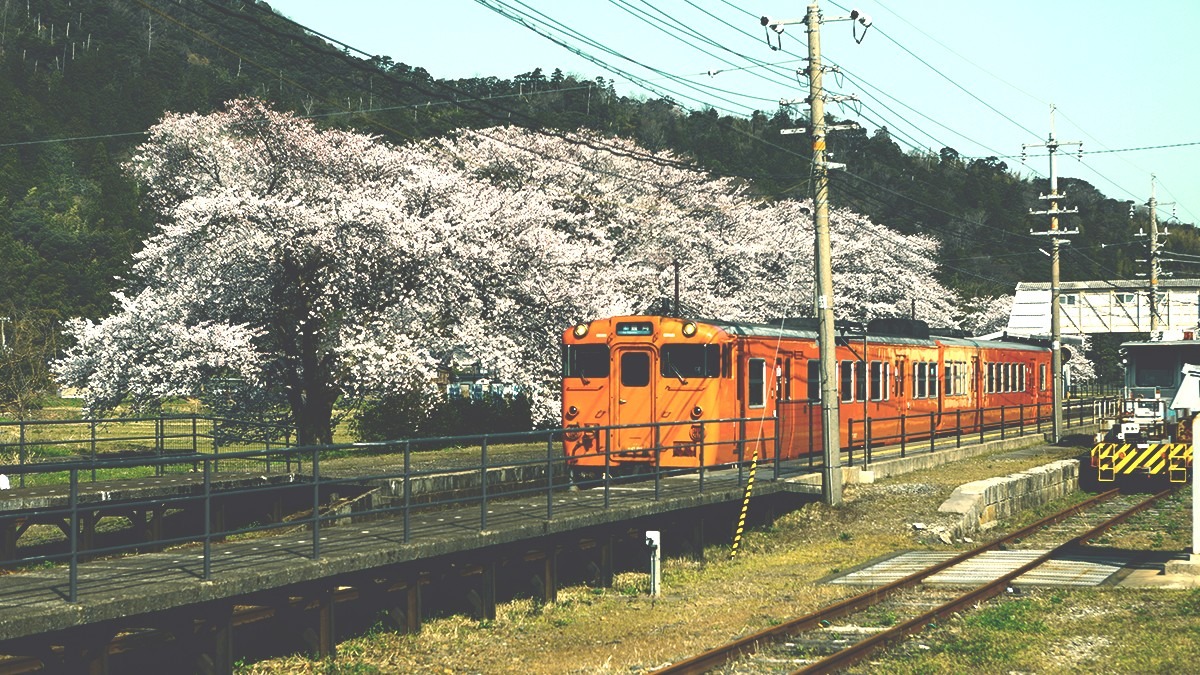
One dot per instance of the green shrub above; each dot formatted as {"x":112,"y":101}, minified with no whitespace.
{"x":407,"y":416}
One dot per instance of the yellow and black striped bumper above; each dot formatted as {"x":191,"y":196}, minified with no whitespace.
{"x":1113,"y":460}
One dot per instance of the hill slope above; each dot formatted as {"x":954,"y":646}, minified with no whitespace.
{"x":98,"y":73}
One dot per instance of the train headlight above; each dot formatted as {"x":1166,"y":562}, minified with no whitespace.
{"x":689,"y":329}
{"x":697,"y":412}
{"x":581,"y":329}
{"x":572,"y":411}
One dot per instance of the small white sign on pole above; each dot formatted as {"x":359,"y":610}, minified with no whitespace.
{"x":654,"y":543}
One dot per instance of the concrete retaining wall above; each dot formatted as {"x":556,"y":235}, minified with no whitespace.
{"x":500,"y":480}
{"x":981,"y":504}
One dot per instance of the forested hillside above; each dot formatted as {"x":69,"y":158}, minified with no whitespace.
{"x":82,"y":80}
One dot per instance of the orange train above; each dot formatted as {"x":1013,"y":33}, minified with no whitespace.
{"x":654,"y":391}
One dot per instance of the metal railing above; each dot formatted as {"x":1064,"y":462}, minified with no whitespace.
{"x":475,"y":477}
{"x":932,"y":430}
{"x":91,"y":440}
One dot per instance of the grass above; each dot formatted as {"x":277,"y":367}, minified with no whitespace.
{"x":1109,"y":630}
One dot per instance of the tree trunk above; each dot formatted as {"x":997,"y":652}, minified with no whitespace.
{"x":314,"y":418}
{"x":311,"y":429}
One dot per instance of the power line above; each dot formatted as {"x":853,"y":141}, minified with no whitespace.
{"x":72,"y":139}
{"x":545,"y":27}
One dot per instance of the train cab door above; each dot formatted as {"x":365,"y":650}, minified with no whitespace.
{"x":635,"y":400}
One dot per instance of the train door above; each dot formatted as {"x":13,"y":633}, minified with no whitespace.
{"x":978,"y":387}
{"x":759,"y":404}
{"x":903,"y":401}
{"x":635,"y":400}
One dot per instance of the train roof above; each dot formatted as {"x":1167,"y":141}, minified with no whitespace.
{"x":995,"y":344}
{"x":1152,"y":344}
{"x":806,"y":329}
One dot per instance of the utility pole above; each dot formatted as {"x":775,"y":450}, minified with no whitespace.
{"x":830,"y":421}
{"x":831,"y":473}
{"x":1054,"y":233}
{"x":1153,"y":260}
{"x":1155,"y":267}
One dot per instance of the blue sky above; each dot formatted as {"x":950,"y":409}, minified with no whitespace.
{"x":976,"y":76}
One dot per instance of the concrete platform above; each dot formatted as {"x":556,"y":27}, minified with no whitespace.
{"x":1072,"y":571}
{"x":1102,"y":567}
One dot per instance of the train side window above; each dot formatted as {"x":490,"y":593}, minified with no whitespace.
{"x":990,"y":385}
{"x":814,"y":380}
{"x":847,"y":381}
{"x":933,"y":380}
{"x":635,"y":369}
{"x":1041,"y":376}
{"x":860,"y":381}
{"x":756,"y":379}
{"x":920,"y":384}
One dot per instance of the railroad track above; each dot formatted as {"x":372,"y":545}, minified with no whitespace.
{"x":815,"y":644}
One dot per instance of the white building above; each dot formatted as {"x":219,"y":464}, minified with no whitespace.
{"x":1092,"y":307}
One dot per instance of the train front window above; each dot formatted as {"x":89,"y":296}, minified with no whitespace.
{"x":585,"y":361}
{"x":635,"y":369}
{"x":1155,"y":370}
{"x":686,"y":361}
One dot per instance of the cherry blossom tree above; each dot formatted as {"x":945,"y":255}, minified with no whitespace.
{"x":985,"y":315}
{"x":283,"y":256}
{"x":328,"y":266}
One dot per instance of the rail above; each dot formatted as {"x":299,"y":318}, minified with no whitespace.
{"x":725,"y":654}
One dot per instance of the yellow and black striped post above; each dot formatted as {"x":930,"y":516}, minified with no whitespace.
{"x":741,"y":526}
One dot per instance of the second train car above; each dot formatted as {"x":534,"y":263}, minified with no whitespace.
{"x":660,"y":391}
